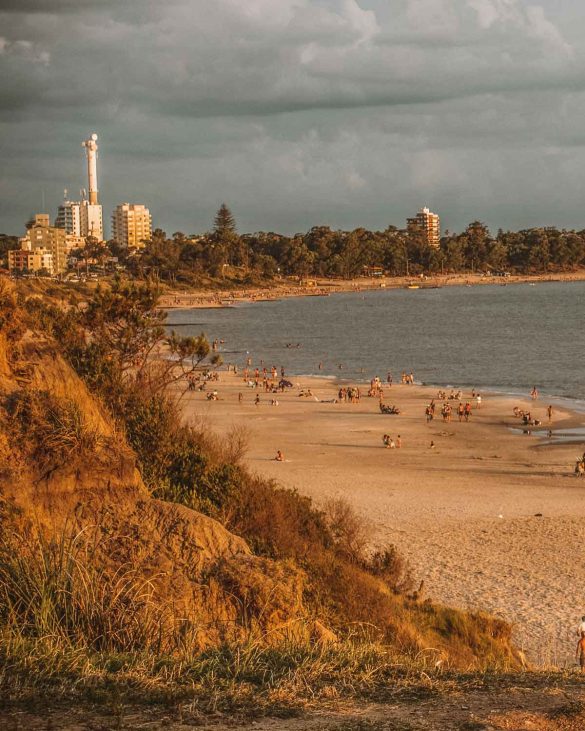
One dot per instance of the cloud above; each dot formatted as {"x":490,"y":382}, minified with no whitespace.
{"x":303,"y":103}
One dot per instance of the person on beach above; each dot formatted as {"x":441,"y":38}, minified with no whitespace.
{"x":478,"y":400}
{"x":279,"y":456}
{"x":240,"y":397}
{"x":580,"y":652}
{"x":398,"y":442}
{"x":386,"y":440}
{"x":581,"y":627}
{"x":460,"y":411}
{"x":534,"y":393}
{"x":467,"y":411}
{"x":549,"y":412}
{"x":257,"y":399}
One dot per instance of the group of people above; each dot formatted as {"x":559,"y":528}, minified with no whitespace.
{"x":199,"y":382}
{"x":463,"y":411}
{"x":442,"y":395}
{"x":407,"y":378}
{"x":375,"y":390}
{"x":349,"y":394}
{"x":390,"y":443}
{"x":528,"y":419}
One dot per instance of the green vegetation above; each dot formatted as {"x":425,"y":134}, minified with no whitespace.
{"x":252,"y":258}
{"x":71,"y":625}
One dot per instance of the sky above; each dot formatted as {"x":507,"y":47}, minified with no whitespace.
{"x":297,"y":113}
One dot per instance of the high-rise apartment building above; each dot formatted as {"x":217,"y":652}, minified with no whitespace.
{"x":81,"y":219}
{"x":131,"y":224}
{"x":69,"y":217}
{"x":91,"y":218}
{"x":427,"y":223}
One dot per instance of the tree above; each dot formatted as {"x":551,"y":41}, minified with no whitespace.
{"x":224,"y":224}
{"x":128,"y":339}
{"x":227,"y":244}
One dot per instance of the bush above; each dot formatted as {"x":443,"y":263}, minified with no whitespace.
{"x":50,"y":590}
{"x":52,"y":431}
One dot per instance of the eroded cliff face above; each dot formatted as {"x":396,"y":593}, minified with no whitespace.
{"x":65,"y":469}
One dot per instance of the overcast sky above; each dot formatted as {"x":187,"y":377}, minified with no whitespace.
{"x":297,"y":112}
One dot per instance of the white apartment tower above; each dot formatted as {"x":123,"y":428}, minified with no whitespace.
{"x":427,"y":223}
{"x":131,"y":224}
{"x":69,"y":216}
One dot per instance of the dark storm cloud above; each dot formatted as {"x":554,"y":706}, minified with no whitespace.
{"x":335,"y":110}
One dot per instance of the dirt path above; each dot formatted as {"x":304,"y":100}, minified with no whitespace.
{"x":541,"y":704}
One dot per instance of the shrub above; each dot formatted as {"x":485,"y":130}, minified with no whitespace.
{"x":51,"y":590}
{"x":52,"y":431}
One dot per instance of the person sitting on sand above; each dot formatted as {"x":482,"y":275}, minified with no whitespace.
{"x":279,"y":456}
{"x":386,"y":440}
{"x":580,"y":652}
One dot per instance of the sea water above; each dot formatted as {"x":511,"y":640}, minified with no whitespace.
{"x":500,"y":338}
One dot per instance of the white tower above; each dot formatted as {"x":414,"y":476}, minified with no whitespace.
{"x":91,"y":148}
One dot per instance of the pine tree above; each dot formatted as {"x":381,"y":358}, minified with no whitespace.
{"x":224,"y":224}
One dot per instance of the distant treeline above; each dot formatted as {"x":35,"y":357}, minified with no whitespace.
{"x":347,"y":254}
{"x":328,"y":253}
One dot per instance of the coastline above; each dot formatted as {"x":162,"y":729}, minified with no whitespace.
{"x":489,"y":519}
{"x":207,"y":299}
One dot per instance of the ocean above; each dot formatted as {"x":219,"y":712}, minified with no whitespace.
{"x":498,"y":338}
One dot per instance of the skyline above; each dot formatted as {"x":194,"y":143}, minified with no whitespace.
{"x":301,"y":113}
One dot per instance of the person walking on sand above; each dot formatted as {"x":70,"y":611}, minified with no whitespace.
{"x":580,"y":652}
{"x":398,"y":441}
{"x":534,"y":393}
{"x":549,"y":412}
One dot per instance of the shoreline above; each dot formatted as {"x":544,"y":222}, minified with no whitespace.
{"x":212,"y":299}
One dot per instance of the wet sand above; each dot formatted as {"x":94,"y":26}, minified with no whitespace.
{"x":490,"y":519}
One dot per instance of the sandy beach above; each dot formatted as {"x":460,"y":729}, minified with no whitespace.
{"x":321,"y":287}
{"x":489,"y":518}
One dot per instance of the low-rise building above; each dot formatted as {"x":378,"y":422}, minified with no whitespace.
{"x":42,"y":237}
{"x":26,"y":260}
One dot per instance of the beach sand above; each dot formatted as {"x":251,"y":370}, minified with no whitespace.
{"x":490,"y":518}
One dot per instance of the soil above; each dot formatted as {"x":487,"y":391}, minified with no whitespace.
{"x":538,"y":706}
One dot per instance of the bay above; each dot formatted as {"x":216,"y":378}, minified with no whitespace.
{"x":500,"y":338}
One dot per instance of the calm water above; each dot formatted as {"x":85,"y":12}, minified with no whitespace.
{"x":502,"y":338}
